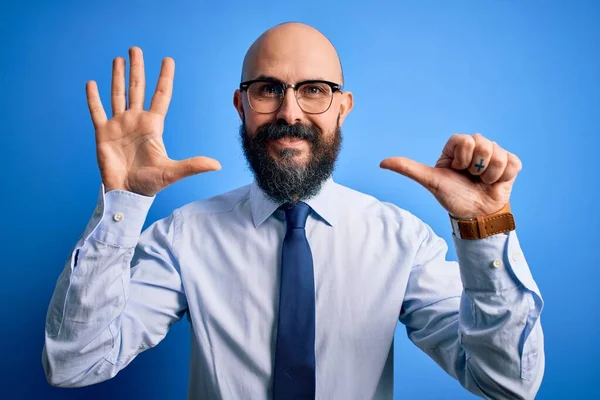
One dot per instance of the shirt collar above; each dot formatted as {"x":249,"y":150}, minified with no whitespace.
{"x":324,"y":203}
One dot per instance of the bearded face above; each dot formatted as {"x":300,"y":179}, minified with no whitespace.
{"x":280,"y":168}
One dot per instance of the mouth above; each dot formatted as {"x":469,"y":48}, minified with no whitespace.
{"x":288,"y":142}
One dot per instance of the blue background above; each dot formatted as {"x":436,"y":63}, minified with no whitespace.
{"x":523,"y":73}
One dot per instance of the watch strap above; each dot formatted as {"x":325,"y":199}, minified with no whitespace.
{"x":482,"y":227}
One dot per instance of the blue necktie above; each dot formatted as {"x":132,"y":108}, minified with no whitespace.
{"x":294,"y":372}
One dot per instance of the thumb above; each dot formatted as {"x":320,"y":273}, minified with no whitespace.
{"x":423,"y":174}
{"x":191,"y":166}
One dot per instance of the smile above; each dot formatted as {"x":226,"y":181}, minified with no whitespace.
{"x":288,"y":142}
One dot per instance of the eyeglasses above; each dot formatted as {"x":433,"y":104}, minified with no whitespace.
{"x":313,"y":96}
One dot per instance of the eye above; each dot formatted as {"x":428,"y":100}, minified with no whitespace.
{"x":315,"y":90}
{"x":269,"y":89}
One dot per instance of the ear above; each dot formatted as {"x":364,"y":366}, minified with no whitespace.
{"x":238,"y":103}
{"x":346,"y":105}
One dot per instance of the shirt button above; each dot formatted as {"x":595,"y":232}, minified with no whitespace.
{"x":497,"y":263}
{"x":118,"y":216}
{"x":516,"y":255}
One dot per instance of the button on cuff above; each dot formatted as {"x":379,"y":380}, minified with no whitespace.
{"x":118,"y":216}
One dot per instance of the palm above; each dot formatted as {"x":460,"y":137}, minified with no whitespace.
{"x":132,"y":154}
{"x":130,"y":149}
{"x":466,"y":195}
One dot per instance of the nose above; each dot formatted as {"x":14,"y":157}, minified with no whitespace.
{"x":290,"y":111}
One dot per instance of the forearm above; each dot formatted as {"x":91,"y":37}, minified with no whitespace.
{"x":477,"y":318}
{"x":499,"y":327}
{"x":90,"y":293}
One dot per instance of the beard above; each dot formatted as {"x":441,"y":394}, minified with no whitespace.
{"x":282,"y":178}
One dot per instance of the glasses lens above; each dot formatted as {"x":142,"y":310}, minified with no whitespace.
{"x":265,"y":97}
{"x":315,"y":97}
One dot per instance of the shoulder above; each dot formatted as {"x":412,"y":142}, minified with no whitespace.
{"x":377,"y":215}
{"x":218,"y":204}
{"x":388,"y":224}
{"x":369,"y":206}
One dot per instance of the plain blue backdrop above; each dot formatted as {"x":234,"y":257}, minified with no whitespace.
{"x":523,"y":73}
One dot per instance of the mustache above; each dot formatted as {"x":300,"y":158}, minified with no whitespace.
{"x":281,"y":129}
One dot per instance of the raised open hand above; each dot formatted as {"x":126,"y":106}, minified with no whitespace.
{"x":129,"y":147}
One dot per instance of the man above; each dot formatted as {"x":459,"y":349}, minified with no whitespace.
{"x":294,"y":284}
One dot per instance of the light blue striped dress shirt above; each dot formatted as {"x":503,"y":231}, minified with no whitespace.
{"x":217,"y":262}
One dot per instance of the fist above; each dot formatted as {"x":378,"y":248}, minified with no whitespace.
{"x":473,"y":177}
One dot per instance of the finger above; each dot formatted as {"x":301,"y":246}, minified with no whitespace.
{"x":512,"y":169}
{"x":422,"y":174}
{"x":117,"y":93}
{"x":137,"y":79}
{"x":164,"y":87}
{"x":481,"y":155}
{"x":94,"y":104}
{"x":177,"y":170}
{"x":459,"y":149}
{"x":497,"y":165}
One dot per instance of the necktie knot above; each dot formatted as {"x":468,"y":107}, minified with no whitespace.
{"x":296,"y":215}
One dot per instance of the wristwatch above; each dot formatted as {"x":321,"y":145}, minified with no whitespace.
{"x":482,"y":227}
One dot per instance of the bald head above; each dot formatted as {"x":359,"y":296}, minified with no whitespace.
{"x":292,"y":52}
{"x":290,"y":150}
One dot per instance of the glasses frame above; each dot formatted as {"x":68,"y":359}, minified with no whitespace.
{"x":335,"y":87}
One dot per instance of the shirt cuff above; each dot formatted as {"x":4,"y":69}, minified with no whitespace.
{"x":494,"y":263}
{"x":118,"y":218}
